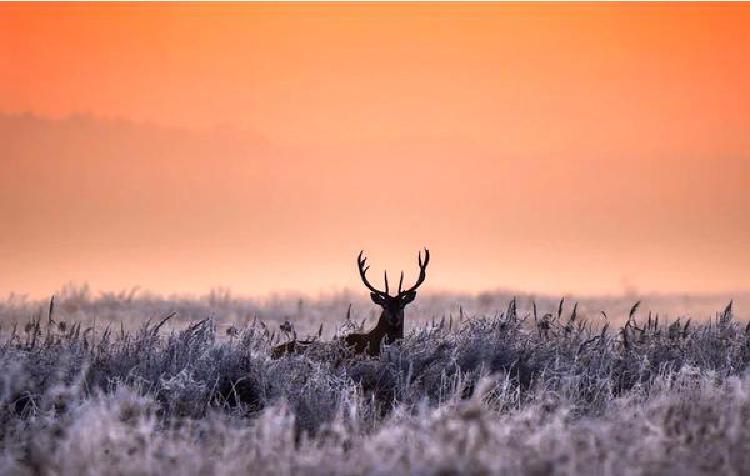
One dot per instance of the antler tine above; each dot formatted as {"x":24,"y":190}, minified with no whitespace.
{"x":422,"y":270}
{"x":400,"y":282}
{"x":363,"y":269}
{"x":385,"y":276}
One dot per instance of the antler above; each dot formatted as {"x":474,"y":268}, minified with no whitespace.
{"x":363,"y":269}
{"x":422,"y":272}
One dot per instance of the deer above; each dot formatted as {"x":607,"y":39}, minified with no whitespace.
{"x":390,"y":326}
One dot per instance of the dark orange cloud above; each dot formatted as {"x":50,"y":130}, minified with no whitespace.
{"x":547,"y":147}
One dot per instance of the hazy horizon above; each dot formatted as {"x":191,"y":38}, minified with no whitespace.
{"x":564,"y":149}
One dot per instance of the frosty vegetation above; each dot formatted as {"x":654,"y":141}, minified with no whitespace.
{"x":556,"y":391}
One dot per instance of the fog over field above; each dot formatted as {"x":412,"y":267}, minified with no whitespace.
{"x":134,"y":306}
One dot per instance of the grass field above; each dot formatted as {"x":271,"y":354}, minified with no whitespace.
{"x":131,"y":383}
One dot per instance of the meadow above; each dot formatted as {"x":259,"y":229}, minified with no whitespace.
{"x":134,"y":383}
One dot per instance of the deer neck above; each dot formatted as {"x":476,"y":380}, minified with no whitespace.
{"x":383,"y":328}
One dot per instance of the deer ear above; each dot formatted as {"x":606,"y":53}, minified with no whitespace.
{"x":377,"y":299}
{"x":408,"y":297}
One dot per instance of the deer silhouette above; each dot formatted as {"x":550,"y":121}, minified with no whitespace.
{"x":390,"y":326}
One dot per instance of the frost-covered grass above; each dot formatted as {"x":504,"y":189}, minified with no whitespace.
{"x":507,"y":392}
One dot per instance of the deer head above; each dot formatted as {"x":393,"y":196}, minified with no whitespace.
{"x":392,"y":317}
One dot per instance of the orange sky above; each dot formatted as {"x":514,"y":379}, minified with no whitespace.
{"x":542,"y":147}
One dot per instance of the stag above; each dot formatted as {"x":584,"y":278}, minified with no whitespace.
{"x":390,"y":326}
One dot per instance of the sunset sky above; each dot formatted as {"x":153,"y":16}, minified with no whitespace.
{"x":553,"y":148}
